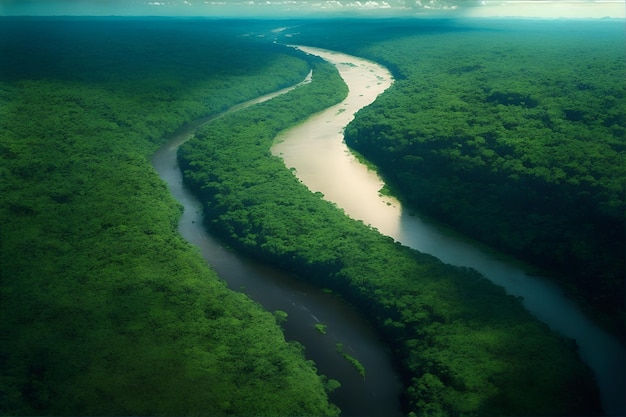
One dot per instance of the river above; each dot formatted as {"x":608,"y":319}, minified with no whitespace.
{"x":323,"y":162}
{"x":377,"y":395}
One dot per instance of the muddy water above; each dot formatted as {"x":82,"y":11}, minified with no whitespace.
{"x":323,"y":162}
{"x":375,"y":395}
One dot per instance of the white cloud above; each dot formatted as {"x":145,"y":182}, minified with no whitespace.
{"x":551,"y":8}
{"x":469,"y":8}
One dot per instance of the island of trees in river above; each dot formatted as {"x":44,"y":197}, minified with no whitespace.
{"x":105,"y":310}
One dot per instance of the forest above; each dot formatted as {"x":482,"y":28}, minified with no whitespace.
{"x":106,"y":310}
{"x":517,"y":137}
{"x":462,"y":346}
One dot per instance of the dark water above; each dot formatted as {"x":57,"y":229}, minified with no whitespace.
{"x":375,"y":395}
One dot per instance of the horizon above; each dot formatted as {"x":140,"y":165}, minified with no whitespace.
{"x":281,"y":9}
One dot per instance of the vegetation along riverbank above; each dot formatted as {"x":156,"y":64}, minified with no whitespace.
{"x":104,"y":309}
{"x":461,"y":344}
{"x":513,"y":133}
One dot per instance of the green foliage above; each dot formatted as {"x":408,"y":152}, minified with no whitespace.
{"x":463,"y":346}
{"x":280,"y":316}
{"x":321,"y":328}
{"x":105,"y":309}
{"x":353,"y":361}
{"x":516,"y":136}
{"x":332,"y":384}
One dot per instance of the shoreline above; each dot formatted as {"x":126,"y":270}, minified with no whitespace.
{"x":302,"y":148}
{"x":305,"y":304}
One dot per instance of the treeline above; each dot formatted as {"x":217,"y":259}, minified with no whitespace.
{"x":462,"y":346}
{"x":516,"y":136}
{"x":104,"y":309}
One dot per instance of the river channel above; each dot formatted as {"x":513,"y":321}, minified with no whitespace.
{"x":323,"y":162}
{"x":376,"y":395}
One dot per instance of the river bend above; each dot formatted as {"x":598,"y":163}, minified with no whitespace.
{"x":377,"y":395}
{"x":323,"y":162}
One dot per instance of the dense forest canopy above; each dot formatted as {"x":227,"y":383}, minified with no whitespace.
{"x":463,"y":347}
{"x":515,"y":135}
{"x":105,"y":309}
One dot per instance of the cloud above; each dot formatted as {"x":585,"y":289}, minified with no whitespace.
{"x":551,"y":8}
{"x":282,"y":8}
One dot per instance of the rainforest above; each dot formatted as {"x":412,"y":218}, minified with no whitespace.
{"x":514,"y":138}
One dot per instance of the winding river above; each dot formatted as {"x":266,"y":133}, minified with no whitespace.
{"x":323,"y":162}
{"x":377,"y":395}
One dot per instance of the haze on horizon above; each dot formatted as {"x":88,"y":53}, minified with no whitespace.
{"x":318,"y":8}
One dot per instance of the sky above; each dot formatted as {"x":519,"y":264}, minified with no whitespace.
{"x":320,"y":8}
